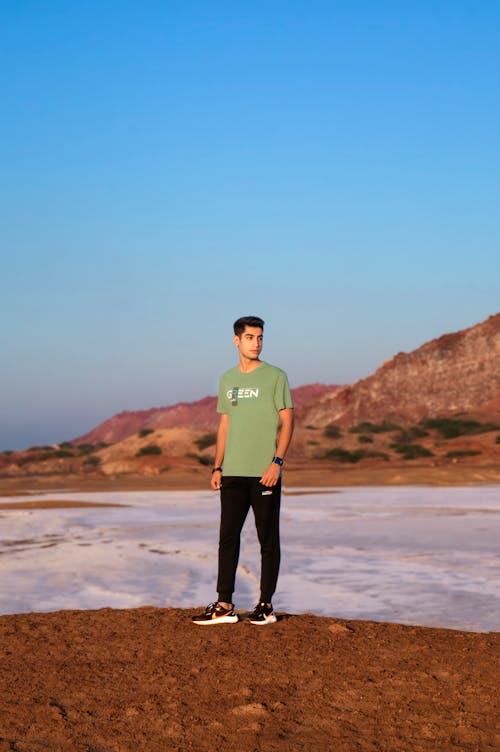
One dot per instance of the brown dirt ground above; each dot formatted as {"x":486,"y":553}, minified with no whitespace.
{"x":54,"y":504}
{"x":148,"y":679}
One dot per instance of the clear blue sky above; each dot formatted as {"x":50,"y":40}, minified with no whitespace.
{"x":169,"y":166}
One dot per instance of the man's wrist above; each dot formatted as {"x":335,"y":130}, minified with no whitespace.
{"x":278,"y":460}
{"x":216,"y":470}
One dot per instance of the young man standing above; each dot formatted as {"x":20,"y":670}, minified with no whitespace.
{"x":256,"y":425}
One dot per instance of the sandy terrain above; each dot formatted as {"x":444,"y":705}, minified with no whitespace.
{"x":148,"y":679}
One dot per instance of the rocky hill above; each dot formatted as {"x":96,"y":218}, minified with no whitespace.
{"x":454,"y":373}
{"x":200,"y":414}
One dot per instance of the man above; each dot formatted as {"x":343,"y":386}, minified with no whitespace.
{"x":255,"y":428}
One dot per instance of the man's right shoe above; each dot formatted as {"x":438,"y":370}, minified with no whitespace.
{"x":216,"y":614}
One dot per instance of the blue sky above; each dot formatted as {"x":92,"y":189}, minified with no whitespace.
{"x":169,"y":166}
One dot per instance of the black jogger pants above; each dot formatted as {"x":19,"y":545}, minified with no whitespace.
{"x":237,"y":495}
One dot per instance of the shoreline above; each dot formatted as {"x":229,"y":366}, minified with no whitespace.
{"x":411,"y":555}
{"x":295,"y":476}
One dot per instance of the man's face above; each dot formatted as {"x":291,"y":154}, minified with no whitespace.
{"x":250,"y":343}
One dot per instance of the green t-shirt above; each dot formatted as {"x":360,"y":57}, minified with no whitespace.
{"x":252,"y":402}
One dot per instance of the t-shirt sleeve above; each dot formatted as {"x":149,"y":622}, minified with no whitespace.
{"x":282,"y":394}
{"x":222,"y":399}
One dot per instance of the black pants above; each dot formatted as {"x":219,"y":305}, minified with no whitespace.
{"x":237,"y":495}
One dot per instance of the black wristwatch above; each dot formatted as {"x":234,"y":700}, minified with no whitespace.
{"x":216,"y":470}
{"x":278,"y":460}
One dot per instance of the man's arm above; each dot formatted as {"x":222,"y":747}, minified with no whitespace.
{"x":220,"y":448}
{"x":271,"y":475}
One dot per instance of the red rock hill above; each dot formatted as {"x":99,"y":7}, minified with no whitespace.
{"x":457,"y":372}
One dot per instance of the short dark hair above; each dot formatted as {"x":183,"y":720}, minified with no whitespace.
{"x":240,"y":324}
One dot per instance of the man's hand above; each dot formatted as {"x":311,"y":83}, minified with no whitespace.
{"x":220,"y":445}
{"x":216,"y":481}
{"x":271,"y":475}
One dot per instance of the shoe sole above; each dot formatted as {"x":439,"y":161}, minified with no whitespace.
{"x":270,"y":620}
{"x":218,"y":620}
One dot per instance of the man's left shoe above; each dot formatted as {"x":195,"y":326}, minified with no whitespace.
{"x":262,"y":614}
{"x":216,"y":614}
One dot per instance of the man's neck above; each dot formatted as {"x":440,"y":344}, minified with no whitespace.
{"x":247,"y":365}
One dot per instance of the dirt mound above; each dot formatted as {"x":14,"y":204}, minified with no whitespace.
{"x":148,"y":679}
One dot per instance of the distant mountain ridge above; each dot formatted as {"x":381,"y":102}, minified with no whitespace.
{"x":200,"y":414}
{"x":457,"y":372}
